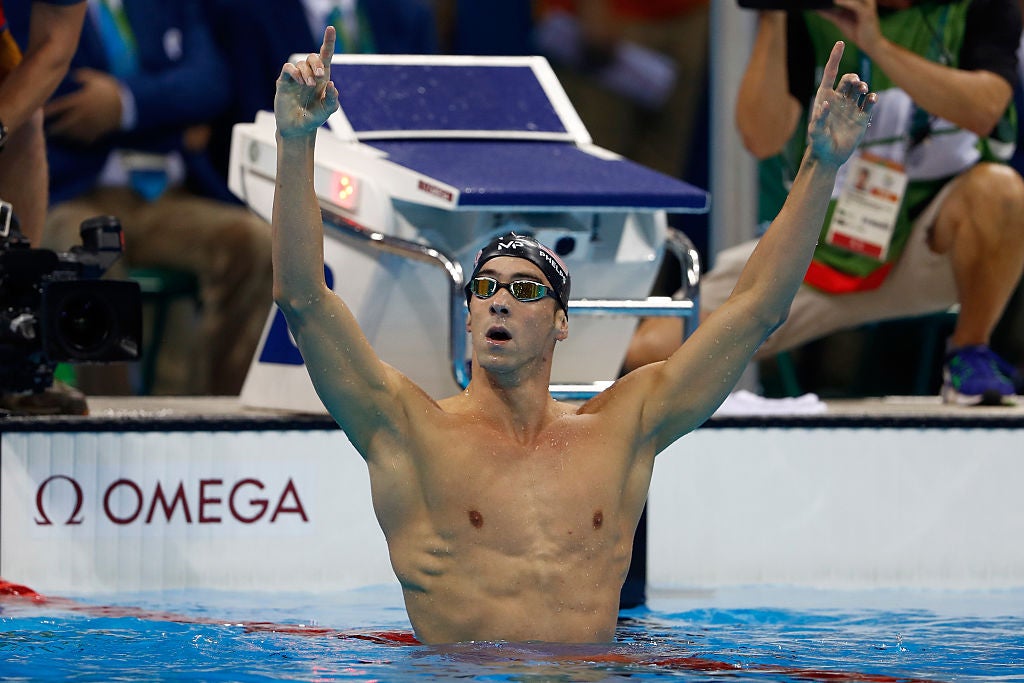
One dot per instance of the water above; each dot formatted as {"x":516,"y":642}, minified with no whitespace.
{"x":774,"y":634}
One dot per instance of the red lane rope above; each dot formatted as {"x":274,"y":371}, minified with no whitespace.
{"x":14,"y":591}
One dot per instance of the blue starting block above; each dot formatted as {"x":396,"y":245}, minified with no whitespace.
{"x":430,"y":157}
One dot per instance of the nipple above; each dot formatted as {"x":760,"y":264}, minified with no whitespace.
{"x":476,"y":519}
{"x":598,"y":519}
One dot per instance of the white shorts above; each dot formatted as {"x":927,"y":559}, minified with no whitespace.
{"x":921,"y":282}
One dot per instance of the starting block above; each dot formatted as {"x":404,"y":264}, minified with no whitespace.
{"x":429,"y":158}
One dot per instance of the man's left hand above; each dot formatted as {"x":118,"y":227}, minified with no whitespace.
{"x":839,"y":117}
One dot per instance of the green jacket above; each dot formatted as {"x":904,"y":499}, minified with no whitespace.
{"x":932,"y":150}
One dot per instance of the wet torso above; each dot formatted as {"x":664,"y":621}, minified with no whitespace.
{"x":497,"y":539}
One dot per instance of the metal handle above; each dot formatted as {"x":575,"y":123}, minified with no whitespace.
{"x":676,"y":241}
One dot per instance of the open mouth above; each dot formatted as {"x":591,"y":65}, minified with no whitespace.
{"x":498,"y":334}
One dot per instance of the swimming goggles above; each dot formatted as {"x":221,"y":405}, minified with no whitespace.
{"x":523,"y":290}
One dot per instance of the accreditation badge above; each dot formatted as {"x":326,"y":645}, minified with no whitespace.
{"x":864,"y":219}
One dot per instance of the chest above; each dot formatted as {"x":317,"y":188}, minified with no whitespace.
{"x":568,"y":482}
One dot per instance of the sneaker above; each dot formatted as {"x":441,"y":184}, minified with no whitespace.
{"x":974,"y":375}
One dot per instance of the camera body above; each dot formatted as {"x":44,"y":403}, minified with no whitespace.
{"x":54,"y":308}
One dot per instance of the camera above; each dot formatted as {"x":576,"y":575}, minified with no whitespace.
{"x":54,"y":308}
{"x":792,"y":5}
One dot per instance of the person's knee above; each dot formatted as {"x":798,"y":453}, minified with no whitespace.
{"x":987,"y":207}
{"x":994,"y":191}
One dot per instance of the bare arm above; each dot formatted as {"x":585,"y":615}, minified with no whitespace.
{"x":53,"y":38}
{"x":765,"y":119}
{"x":357,"y":388}
{"x":973,"y":100}
{"x":680,"y":393}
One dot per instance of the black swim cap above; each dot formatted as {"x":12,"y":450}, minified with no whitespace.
{"x":526,"y":247}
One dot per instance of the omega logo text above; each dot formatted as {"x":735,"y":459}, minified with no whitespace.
{"x":206,"y":501}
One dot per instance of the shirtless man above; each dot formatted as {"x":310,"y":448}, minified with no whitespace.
{"x":508,"y":515}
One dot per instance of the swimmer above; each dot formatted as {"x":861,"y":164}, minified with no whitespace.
{"x":510,"y":516}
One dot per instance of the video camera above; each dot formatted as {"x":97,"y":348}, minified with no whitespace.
{"x":54,"y":308}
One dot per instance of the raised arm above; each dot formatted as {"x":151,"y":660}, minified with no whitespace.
{"x":972,"y":99}
{"x":53,"y":38}
{"x":766,"y":114}
{"x":357,"y":388}
{"x":679,"y":394}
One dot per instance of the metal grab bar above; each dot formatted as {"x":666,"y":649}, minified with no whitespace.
{"x":690,"y":269}
{"x":676,"y":241}
{"x":424,"y":254}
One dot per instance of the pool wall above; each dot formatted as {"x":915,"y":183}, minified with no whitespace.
{"x":168,"y":500}
{"x":839,"y":507}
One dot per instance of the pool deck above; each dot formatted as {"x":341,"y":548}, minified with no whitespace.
{"x":221,"y":413}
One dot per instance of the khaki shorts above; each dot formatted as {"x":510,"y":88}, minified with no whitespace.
{"x":921,"y":282}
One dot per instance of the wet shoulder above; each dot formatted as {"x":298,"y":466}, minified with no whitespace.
{"x":622,"y":400}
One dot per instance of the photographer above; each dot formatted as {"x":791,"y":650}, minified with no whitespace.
{"x":942,"y":219}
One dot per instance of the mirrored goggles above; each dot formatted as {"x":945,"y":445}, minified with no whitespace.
{"x":523,"y":290}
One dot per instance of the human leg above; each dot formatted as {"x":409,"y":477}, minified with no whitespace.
{"x":23,"y":176}
{"x":228,"y":248}
{"x":921,"y":282}
{"x":981,"y":227}
{"x":656,"y":338}
{"x":663,"y":136}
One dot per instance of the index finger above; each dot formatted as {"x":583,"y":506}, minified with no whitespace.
{"x":828,"y":76}
{"x":327,"y":49}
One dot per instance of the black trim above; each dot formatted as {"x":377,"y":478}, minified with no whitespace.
{"x":175,"y":423}
{"x":965,"y":418}
{"x":968,"y":419}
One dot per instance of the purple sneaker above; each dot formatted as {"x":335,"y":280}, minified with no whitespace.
{"x":974,"y":375}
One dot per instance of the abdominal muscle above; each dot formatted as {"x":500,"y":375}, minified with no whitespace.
{"x":478,"y":591}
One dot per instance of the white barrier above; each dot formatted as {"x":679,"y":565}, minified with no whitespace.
{"x":96,"y":512}
{"x":291,"y":510}
{"x":839,"y":508}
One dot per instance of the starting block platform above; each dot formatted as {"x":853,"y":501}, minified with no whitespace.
{"x":429,"y":158}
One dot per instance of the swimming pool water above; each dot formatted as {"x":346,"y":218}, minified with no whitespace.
{"x":769,"y":634}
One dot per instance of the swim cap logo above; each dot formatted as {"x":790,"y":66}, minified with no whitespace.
{"x":555,"y":262}
{"x":549,"y":257}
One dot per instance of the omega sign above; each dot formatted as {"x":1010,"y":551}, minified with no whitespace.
{"x":204,"y":501}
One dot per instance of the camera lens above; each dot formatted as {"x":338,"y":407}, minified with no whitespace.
{"x":84,"y":323}
{"x":91,"y":321}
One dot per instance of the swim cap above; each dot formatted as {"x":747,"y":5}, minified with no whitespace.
{"x":526,"y":247}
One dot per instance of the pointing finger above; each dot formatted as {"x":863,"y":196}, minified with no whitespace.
{"x":828,"y":76}
{"x":327,"y":49}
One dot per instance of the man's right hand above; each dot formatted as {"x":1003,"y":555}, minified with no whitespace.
{"x":306,"y":96}
{"x":858,"y":22}
{"x":88,"y":113}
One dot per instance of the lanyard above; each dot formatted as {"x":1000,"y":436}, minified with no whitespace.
{"x":117,"y":36}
